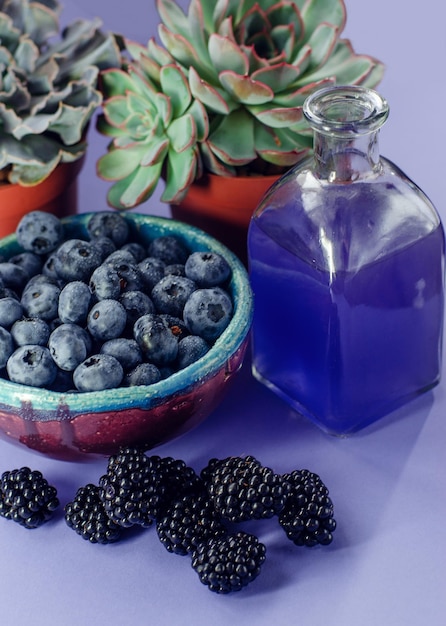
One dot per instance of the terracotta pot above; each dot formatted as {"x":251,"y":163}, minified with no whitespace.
{"x":57,"y":194}
{"x":222,"y":206}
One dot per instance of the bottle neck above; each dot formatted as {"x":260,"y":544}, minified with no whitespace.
{"x":346,"y":122}
{"x":341,"y":159}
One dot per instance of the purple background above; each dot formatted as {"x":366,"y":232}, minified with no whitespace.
{"x":387,"y":563}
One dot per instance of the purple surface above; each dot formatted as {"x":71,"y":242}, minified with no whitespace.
{"x":386,"y":565}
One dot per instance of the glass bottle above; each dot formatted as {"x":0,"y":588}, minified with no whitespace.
{"x":346,"y":261}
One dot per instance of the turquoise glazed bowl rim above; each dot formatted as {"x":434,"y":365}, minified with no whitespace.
{"x":46,"y":404}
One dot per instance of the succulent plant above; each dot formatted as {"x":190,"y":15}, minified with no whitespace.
{"x":48,"y":87}
{"x":154,"y":128}
{"x":251,"y":64}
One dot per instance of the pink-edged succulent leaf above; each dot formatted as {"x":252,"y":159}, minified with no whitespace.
{"x":213,"y":98}
{"x":297,"y":97}
{"x":179,"y":47}
{"x":196,"y":29}
{"x":135,"y":188}
{"x":281,"y":147}
{"x":198,"y":112}
{"x":182,"y":133}
{"x":159,"y":54}
{"x":322,"y":42}
{"x":175,"y":86}
{"x":115,"y":82}
{"x":213,"y":164}
{"x":226,"y":28}
{"x":374,"y":77}
{"x":155,"y":152}
{"x":116,"y":111}
{"x":135,"y":48}
{"x":225,"y":54}
{"x":244,"y":89}
{"x":286,"y":12}
{"x":330,"y":11}
{"x":233,"y":139}
{"x":117,"y":164}
{"x":284,"y":40}
{"x":104,"y":128}
{"x":164,"y":107}
{"x":173,"y":17}
{"x":181,"y":172}
{"x":276,"y":117}
{"x":256,"y":62}
{"x":150,"y":68}
{"x":278,"y":77}
{"x":351,"y":71}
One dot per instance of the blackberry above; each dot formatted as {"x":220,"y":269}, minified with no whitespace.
{"x":86,"y":515}
{"x":132,"y":490}
{"x":177,"y":478}
{"x":187,"y":521}
{"x":26,"y":497}
{"x":229,"y":563}
{"x":307,"y":517}
{"x":137,"y":487}
{"x":242,"y":489}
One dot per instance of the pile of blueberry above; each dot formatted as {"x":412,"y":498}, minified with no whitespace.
{"x":106,"y":311}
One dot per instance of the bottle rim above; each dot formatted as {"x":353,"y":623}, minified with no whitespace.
{"x":346,"y":110}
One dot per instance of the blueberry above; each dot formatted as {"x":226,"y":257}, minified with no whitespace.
{"x":105,"y":282}
{"x":169,"y":248}
{"x":39,"y":232}
{"x":30,"y":262}
{"x":109,"y":224}
{"x":10,"y":311}
{"x":143,"y":374}
{"x":69,"y":346}
{"x":76,"y":259}
{"x":30,"y":331}
{"x":171,"y":293}
{"x":207,"y":312}
{"x":6,"y":292}
{"x":136,"y":249}
{"x":74,"y":302}
{"x":177,"y":269}
{"x":98,"y":372}
{"x":128,"y":272}
{"x":41,"y":299}
{"x":48,"y":268}
{"x":176,"y":325}
{"x":106,"y":320}
{"x":6,"y":346}
{"x":136,"y":304}
{"x":63,"y":382}
{"x":31,"y":365}
{"x":127,"y":351}
{"x":207,"y":269}
{"x":190,"y":349}
{"x":155,"y":339}
{"x":13,"y":276}
{"x":151,"y":271}
{"x":120,"y":256}
{"x":104,"y":245}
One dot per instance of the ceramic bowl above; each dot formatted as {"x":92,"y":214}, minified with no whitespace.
{"x":80,"y":426}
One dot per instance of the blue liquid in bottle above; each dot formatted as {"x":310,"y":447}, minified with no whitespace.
{"x":347,"y":276}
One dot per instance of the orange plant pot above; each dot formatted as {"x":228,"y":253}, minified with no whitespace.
{"x":57,"y":194}
{"x":223,"y":206}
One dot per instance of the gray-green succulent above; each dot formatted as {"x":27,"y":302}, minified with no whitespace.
{"x":250,"y":64}
{"x":48,"y":87}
